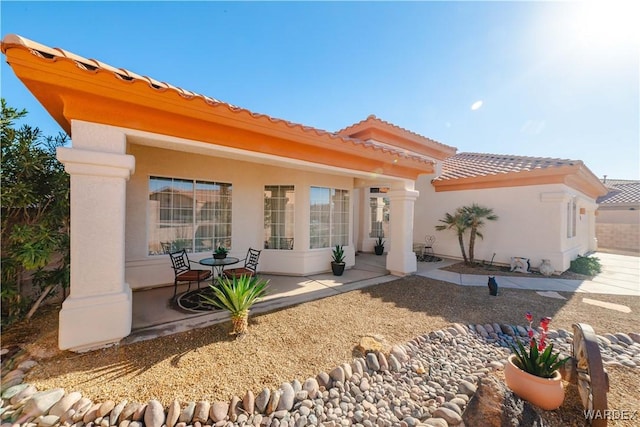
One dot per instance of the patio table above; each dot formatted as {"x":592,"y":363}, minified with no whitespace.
{"x":218,"y":265}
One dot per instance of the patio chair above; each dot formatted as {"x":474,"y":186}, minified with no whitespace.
{"x":250,"y":265}
{"x":184,"y":272}
{"x":428,"y":245}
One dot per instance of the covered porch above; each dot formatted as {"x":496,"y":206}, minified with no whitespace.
{"x":156,"y":314}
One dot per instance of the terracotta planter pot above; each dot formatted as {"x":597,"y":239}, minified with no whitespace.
{"x":545,"y":393}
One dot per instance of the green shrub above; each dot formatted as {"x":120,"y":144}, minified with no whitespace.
{"x":589,"y":266}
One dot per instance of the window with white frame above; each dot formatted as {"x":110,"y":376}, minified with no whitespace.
{"x":378,"y":212}
{"x":188,"y":214}
{"x":329,"y":217}
{"x":279,"y":203}
{"x":571,"y":218}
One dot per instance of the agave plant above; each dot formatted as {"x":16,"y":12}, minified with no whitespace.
{"x":540,"y":360}
{"x":237,"y":295}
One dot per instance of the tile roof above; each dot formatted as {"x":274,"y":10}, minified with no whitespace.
{"x":471,"y":165}
{"x":94,"y":67}
{"x":373,"y":119}
{"x":621,"y":192}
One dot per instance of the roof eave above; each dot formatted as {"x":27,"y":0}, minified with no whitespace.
{"x":577,"y":176}
{"x":69,"y":92}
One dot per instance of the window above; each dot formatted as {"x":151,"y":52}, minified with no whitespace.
{"x":379,"y":213}
{"x":188,"y":214}
{"x":329,"y":217}
{"x":279,"y":202}
{"x":571,"y":218}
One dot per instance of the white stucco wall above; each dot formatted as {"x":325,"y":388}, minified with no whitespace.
{"x":248,"y":180}
{"x":532,"y":223}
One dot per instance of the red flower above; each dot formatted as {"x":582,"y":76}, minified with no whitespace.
{"x":541,"y":345}
{"x":530,"y":332}
{"x":529,"y":316}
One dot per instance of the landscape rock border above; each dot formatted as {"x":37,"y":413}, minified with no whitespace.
{"x":427,"y":381}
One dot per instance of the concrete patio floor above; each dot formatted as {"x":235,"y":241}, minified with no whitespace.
{"x":155,"y":314}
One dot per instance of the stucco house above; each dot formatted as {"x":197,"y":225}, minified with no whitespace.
{"x":151,"y":163}
{"x":618,"y":220}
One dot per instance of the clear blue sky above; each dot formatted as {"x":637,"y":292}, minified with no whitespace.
{"x":555,"y":79}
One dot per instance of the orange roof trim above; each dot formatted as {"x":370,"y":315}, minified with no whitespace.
{"x":471,"y":171}
{"x":73,"y":87}
{"x":373,"y":128}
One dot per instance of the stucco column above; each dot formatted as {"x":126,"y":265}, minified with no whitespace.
{"x":98,"y":311}
{"x":401,"y":260}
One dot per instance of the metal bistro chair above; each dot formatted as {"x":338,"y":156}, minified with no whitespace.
{"x":184,"y":273}
{"x":250,"y":265}
{"x":428,"y":245}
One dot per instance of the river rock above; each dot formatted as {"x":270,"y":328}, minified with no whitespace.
{"x":624,"y":338}
{"x":138,"y":414}
{"x":337,"y":374}
{"x":234,"y":408}
{"x":173,"y":413}
{"x":466,"y":387}
{"x":48,"y":420}
{"x":435,"y":422}
{"x":399,"y":353}
{"x":10,"y":392}
{"x":128,"y":411}
{"x":91,"y":414}
{"x":311,"y":386}
{"x":82,"y":407}
{"x":372,"y":362}
{"x":26,"y":392}
{"x":106,"y":408}
{"x":249,"y":402}
{"x":187,"y":413}
{"x":324,"y":380}
{"x":201,"y":412}
{"x":273,"y":402}
{"x":219,"y":411}
{"x":116,"y":411}
{"x":263,"y":399}
{"x":287,"y":396}
{"x":154,"y":414}
{"x":452,"y":417}
{"x":41,"y":402}
{"x":382,"y":361}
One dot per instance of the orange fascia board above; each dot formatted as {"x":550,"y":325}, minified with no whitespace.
{"x":74,"y":88}
{"x":400,"y":139}
{"x":380,"y":130}
{"x":577,"y":177}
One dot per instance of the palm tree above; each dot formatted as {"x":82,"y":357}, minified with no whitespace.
{"x":237,"y":295}
{"x":457,"y":223}
{"x":474,"y":217}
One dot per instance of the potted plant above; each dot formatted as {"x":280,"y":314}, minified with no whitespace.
{"x":337,"y":263}
{"x":379,"y":246}
{"x":220,"y":252}
{"x":533,"y":374}
{"x":237,"y":295}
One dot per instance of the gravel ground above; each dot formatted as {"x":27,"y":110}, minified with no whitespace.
{"x":300,"y":341}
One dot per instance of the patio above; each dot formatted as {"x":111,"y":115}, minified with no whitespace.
{"x":154,"y":315}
